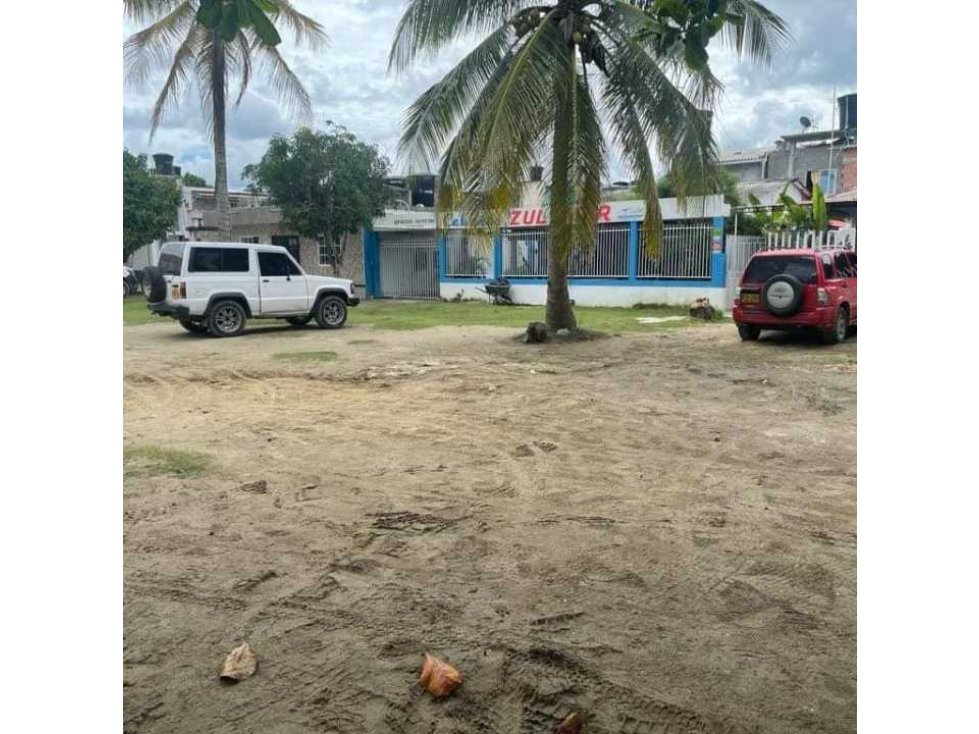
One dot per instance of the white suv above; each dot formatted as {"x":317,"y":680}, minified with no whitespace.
{"x":213,"y":287}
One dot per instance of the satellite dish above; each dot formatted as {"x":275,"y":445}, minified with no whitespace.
{"x":805,"y":122}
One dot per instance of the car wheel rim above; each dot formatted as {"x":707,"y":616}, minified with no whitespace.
{"x":227,"y":319}
{"x":332,"y":313}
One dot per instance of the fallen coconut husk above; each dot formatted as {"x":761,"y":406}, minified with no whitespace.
{"x":570,"y":725}
{"x":438,"y":677}
{"x":241,"y":663}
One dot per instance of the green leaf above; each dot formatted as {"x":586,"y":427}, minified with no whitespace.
{"x":266,"y":6}
{"x":209,"y":13}
{"x":264,"y":28}
{"x":245,"y":10}
{"x":695,"y":55}
{"x":228,"y":27}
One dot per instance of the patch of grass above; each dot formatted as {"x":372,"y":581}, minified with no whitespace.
{"x":157,"y":461}
{"x":134,"y":312}
{"x":305,"y":356}
{"x":410,"y":315}
{"x":362,"y":341}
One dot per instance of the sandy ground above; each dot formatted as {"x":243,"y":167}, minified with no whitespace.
{"x":656,"y":530}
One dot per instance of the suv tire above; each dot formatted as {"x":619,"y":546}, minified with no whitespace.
{"x":331,"y":312}
{"x":300,"y":320}
{"x":194,"y":327}
{"x":749,"y":332}
{"x":841,"y":325}
{"x":154,"y":285}
{"x":226,"y":318}
{"x":779,"y":299}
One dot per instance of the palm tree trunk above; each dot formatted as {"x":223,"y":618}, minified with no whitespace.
{"x":218,"y":74}
{"x":559,"y":313}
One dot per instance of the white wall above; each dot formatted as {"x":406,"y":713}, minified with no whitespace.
{"x":597,"y":295}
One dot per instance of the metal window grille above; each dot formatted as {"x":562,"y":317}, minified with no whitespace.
{"x":684,"y":253}
{"x":465,"y":258}
{"x":525,"y":252}
{"x":607,"y":258}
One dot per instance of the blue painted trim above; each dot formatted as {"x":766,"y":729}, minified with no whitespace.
{"x":498,"y":256}
{"x":718,"y":269}
{"x":372,"y":275}
{"x":633,"y":251}
{"x":443,"y":254}
{"x":617,"y":282}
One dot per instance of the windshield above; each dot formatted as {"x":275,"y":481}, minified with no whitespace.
{"x":172,"y":258}
{"x":760,"y":269}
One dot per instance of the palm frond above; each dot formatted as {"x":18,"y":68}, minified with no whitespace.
{"x":284,"y":82}
{"x":512,"y":129}
{"x":754,"y":31}
{"x":305,"y":29}
{"x":180,"y":71}
{"x":153,"y":45}
{"x":586,"y":161}
{"x":244,"y":66}
{"x":680,"y":128}
{"x":140,"y":11}
{"x":428,"y":25}
{"x":433,"y":117}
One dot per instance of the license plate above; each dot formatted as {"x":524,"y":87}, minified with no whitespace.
{"x":750,"y":298}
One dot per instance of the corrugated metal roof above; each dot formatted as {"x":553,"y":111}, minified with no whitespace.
{"x":842,"y":197}
{"x":745,"y":156}
{"x":769,"y":191}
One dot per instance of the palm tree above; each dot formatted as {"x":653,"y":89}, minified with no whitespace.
{"x":211,"y":43}
{"x":545,"y":81}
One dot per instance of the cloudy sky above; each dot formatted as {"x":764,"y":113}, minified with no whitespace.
{"x":349,"y":84}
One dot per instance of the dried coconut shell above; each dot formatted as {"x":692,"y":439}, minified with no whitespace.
{"x":241,"y":663}
{"x":437,"y":677}
{"x":570,"y":725}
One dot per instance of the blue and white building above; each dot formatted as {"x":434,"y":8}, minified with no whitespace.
{"x":405,"y":256}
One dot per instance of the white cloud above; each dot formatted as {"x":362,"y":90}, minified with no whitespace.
{"x":349,"y":84}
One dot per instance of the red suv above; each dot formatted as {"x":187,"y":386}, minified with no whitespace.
{"x":789,"y":289}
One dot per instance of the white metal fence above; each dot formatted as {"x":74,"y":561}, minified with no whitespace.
{"x":465,"y":257}
{"x":684,"y":253}
{"x":525,"y":252}
{"x":811,"y":239}
{"x":607,"y":258}
{"x":409,"y":266}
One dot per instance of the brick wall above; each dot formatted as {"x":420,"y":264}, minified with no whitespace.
{"x":848,"y":170}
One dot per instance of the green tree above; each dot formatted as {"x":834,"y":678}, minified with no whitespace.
{"x":149,"y":204}
{"x":329,"y":184}
{"x":212,"y":43}
{"x":542,"y":81}
{"x":191,"y":179}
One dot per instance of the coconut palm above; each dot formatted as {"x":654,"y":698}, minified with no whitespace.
{"x":211,"y":43}
{"x":546,"y":82}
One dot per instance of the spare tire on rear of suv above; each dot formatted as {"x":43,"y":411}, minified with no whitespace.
{"x":782,"y":294}
{"x":154,"y":284}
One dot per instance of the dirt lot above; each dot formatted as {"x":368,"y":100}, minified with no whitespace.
{"x":657,"y":530}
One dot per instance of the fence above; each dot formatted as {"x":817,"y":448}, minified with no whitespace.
{"x":811,"y":239}
{"x":465,"y":258}
{"x":408,"y":265}
{"x":607,"y":258}
{"x":684,"y":252}
{"x":525,"y":252}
